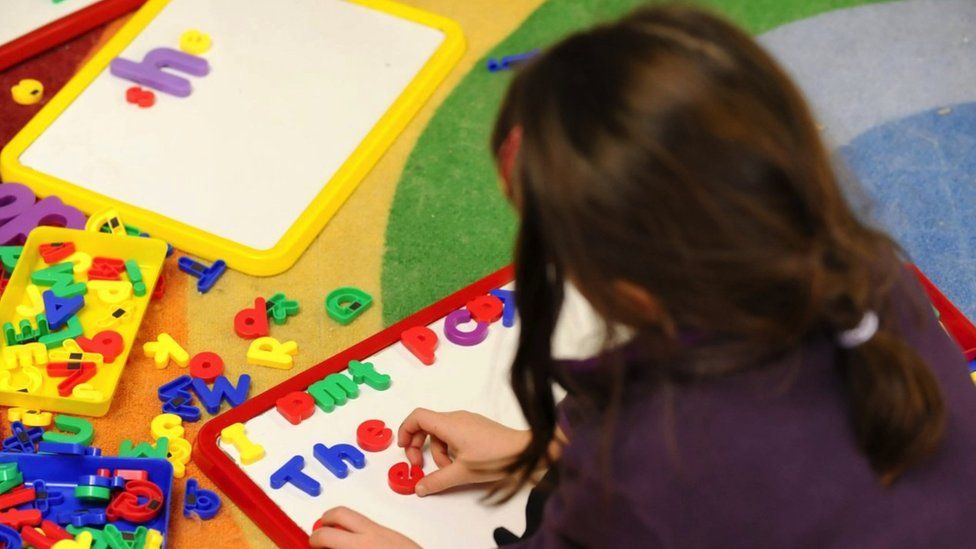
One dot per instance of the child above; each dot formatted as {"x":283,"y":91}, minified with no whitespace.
{"x":784,"y":382}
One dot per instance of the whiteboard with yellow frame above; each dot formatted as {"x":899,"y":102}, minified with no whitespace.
{"x":300,"y":99}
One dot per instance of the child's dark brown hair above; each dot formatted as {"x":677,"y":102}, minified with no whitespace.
{"x":668,"y":151}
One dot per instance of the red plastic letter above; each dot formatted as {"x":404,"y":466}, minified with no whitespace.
{"x":160,"y":290}
{"x":251,"y":323}
{"x":373,"y":436}
{"x":403,"y":477}
{"x":206,"y":366}
{"x":421,"y":341}
{"x":16,"y":518}
{"x":106,"y":268}
{"x":17,"y":496}
{"x":56,"y":251}
{"x":141,"y":501}
{"x":50,"y":534}
{"x":109,"y":344}
{"x":131,"y":474}
{"x":486,"y":308}
{"x":296,"y":407}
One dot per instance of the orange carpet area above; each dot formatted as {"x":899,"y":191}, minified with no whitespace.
{"x":204,"y":322}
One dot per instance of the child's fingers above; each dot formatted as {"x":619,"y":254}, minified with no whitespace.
{"x":415,"y":456}
{"x":439,"y":450}
{"x":409,"y":428}
{"x":347,"y":519}
{"x":333,"y":538}
{"x":421,"y":420}
{"x":442,"y":479}
{"x":418,"y":439}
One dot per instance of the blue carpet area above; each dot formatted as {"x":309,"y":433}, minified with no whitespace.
{"x":921,"y":174}
{"x":893,"y":86}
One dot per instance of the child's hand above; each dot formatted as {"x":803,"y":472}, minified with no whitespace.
{"x":468,"y":448}
{"x":347,"y":529}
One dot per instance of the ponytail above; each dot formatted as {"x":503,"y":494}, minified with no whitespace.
{"x":897,"y":409}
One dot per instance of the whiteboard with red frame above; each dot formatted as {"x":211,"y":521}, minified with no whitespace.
{"x":472,"y":378}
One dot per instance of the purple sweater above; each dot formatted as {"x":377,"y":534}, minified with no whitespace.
{"x":766,"y":458}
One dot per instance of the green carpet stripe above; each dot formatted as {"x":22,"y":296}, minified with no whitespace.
{"x":448,"y":224}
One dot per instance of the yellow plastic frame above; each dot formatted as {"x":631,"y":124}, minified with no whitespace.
{"x":149,"y":253}
{"x":202,"y":243}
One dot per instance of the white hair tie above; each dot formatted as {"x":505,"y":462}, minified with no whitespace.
{"x":858,"y":335}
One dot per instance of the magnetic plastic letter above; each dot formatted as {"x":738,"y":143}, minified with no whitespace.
{"x":135,"y":277}
{"x":222,"y":390}
{"x":291,"y":473}
{"x":26,"y":355}
{"x":345,"y":304}
{"x":144,"y":449}
{"x":508,"y":298}
{"x":111,"y":291}
{"x":421,"y":341}
{"x":280,"y":308}
{"x":205,"y":503}
{"x":374,"y":436}
{"x":72,"y":330}
{"x":166,"y":425}
{"x":296,"y":407}
{"x":252,"y":322}
{"x":334,"y":390}
{"x":236,"y":437}
{"x":149,"y":72}
{"x":36,"y":306}
{"x":59,"y":309}
{"x":334,"y":459}
{"x":181,"y":406}
{"x":486,"y":308}
{"x":82,"y":541}
{"x":20,"y":214}
{"x":55,"y":252}
{"x":207,"y":276}
{"x":403,"y":478}
{"x":49,"y":534}
{"x":61,"y":279}
{"x":75,"y":430}
{"x":164,"y":349}
{"x":206,"y":366}
{"x":10,"y":537}
{"x":9,"y":256}
{"x":268,"y":351}
{"x":458,"y":337}
{"x":109,"y":344}
{"x":363,"y":372}
{"x":179,"y":455}
{"x":30,"y":418}
{"x":107,"y":217}
{"x":71,"y":352}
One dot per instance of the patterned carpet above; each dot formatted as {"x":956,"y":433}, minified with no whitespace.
{"x":428,"y":219}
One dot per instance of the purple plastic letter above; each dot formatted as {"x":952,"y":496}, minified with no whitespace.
{"x":149,"y":72}
{"x":456,"y":336}
{"x":19,"y":214}
{"x":15,"y":199}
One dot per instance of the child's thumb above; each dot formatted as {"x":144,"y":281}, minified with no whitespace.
{"x":441,"y":479}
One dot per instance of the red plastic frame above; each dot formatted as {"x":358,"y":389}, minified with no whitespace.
{"x":954,"y":322}
{"x":273,"y":521}
{"x":63,"y":29}
{"x":228,"y":476}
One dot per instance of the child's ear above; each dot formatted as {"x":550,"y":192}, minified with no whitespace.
{"x":507,"y":154}
{"x":507,"y":191}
